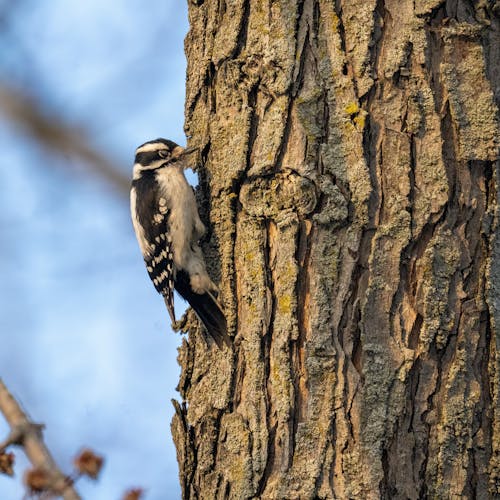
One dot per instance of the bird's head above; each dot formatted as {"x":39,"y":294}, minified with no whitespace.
{"x":154,"y":154}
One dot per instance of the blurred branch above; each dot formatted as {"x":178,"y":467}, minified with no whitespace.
{"x":25,"y":433}
{"x":54,"y":134}
{"x":6,"y":11}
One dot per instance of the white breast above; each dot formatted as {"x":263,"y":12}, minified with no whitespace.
{"x":183,"y":211}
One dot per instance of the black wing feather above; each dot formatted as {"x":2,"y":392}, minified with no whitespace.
{"x":206,"y":308}
{"x":159,"y":263}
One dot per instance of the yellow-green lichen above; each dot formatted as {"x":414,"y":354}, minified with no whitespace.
{"x":284,"y":304}
{"x":352,"y":108}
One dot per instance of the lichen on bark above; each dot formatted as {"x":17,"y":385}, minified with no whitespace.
{"x":349,"y":178}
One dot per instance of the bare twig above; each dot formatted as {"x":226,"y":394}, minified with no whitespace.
{"x":29,"y":435}
{"x":54,"y":134}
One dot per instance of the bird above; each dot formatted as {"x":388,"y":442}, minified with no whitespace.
{"x":168,"y":229}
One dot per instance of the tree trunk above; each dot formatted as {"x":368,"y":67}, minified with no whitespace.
{"x":350,"y":182}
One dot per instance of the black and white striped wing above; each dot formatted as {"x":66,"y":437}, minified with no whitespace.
{"x":160,"y":262}
{"x":150,"y":217}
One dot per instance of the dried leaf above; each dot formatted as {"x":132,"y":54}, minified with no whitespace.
{"x":37,"y":480}
{"x":133,"y":494}
{"x":7,"y":463}
{"x":88,"y":463}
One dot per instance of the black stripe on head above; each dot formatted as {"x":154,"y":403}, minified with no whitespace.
{"x":147,"y":158}
{"x":149,"y":152}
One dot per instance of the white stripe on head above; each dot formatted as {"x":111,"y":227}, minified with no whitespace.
{"x":151,"y":146}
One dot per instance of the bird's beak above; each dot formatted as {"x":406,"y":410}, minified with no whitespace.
{"x":177,"y":152}
{"x":180,"y":152}
{"x":188,"y":151}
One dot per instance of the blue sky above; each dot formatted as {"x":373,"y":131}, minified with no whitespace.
{"x":86,"y":342}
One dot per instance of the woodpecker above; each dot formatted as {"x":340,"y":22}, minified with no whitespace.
{"x":168,"y":228}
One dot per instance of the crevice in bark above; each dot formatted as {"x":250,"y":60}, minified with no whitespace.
{"x":434,"y":56}
{"x":414,"y":335}
{"x":416,"y":248}
{"x":351,"y":316}
{"x":242,"y":31}
{"x":347,"y":66}
{"x":360,"y":281}
{"x":331,"y":472}
{"x":380,"y":19}
{"x":238,"y":381}
{"x":325,"y":137}
{"x":227,"y":492}
{"x":371,"y":136}
{"x":483,"y":358}
{"x":297,"y":361}
{"x":397,"y":298}
{"x":379,"y":216}
{"x":385,"y":490}
{"x":316,"y":21}
{"x":488,"y":186}
{"x":473,"y":478}
{"x":357,"y":347}
{"x":222,"y":8}
{"x":210,"y":76}
{"x":269,"y":462}
{"x":300,"y":12}
{"x":412,"y":382}
{"x":254,"y":125}
{"x":214,"y":420}
{"x":433,"y":13}
{"x":428,"y":409}
{"x":304,"y":54}
{"x":285,"y":138}
{"x":266,"y":341}
{"x":235,"y":208}
{"x":445,"y":352}
{"x":320,"y":478}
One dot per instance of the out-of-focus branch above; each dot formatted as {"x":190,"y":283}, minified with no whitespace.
{"x":29,"y":435}
{"x":54,"y":134}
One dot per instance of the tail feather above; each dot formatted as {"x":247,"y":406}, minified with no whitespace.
{"x":207,"y":309}
{"x":169,"y":302}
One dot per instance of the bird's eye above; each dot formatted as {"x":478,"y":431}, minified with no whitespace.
{"x":163,"y":153}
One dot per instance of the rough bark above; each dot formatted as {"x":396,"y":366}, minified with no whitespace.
{"x":350,"y":180}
